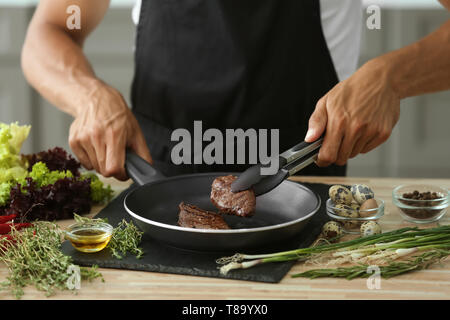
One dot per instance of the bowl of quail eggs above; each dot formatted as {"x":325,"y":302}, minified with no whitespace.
{"x":354,"y":210}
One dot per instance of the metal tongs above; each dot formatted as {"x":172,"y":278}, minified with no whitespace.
{"x":290,"y":162}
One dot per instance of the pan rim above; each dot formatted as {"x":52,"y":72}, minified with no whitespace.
{"x":218,"y":231}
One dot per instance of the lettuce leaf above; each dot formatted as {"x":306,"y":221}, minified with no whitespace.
{"x":51,"y":177}
{"x":99,"y":193}
{"x":5,"y":189}
{"x":18,"y":135}
{"x":12,"y":168}
{"x":42,"y":176}
{"x":11,"y":139}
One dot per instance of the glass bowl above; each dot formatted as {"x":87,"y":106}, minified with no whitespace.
{"x":421,"y":210}
{"x":89,"y":236}
{"x":352,"y":225}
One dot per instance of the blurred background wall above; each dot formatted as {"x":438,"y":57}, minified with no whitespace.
{"x":418,"y":147}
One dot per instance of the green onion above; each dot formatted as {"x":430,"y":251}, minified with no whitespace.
{"x":375,"y":248}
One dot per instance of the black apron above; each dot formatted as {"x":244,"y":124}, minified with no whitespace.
{"x":259,"y":64}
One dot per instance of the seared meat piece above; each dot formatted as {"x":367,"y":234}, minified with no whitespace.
{"x":240,"y":203}
{"x":193,"y":217}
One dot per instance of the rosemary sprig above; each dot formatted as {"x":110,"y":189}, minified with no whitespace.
{"x":420,"y":262}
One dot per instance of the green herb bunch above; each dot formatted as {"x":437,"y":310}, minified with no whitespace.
{"x":33,"y":257}
{"x":126,"y":237}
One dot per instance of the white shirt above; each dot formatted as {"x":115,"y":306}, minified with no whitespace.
{"x":341,"y":25}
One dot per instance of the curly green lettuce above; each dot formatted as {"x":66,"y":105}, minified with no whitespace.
{"x":12,"y":137}
{"x":9,"y":178}
{"x":5,"y":188}
{"x":12,"y":169}
{"x":43,"y":176}
{"x":99,"y":193}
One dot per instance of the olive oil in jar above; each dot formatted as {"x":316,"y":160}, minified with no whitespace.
{"x":89,"y":238}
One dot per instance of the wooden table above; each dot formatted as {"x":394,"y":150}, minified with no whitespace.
{"x":433,"y":283}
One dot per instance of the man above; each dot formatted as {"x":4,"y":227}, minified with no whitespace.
{"x":232,"y":64}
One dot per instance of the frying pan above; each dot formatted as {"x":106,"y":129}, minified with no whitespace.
{"x":279,"y":215}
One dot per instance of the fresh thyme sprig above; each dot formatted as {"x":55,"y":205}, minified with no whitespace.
{"x":126,"y":237}
{"x":81,"y":219}
{"x":33,"y":257}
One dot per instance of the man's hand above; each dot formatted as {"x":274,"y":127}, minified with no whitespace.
{"x":358,"y":115}
{"x":54,"y":63}
{"x":101,"y":132}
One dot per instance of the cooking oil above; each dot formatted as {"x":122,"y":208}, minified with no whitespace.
{"x":89,"y":239}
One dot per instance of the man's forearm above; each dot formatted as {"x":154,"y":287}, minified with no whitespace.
{"x":54,"y":64}
{"x":422,"y":67}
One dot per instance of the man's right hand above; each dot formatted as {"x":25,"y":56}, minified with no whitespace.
{"x":102,"y":130}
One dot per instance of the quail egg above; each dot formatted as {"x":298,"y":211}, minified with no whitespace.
{"x":340,"y":194}
{"x":368,"y":205}
{"x":348,"y":212}
{"x":361,"y":193}
{"x":369,"y":228}
{"x":332,"y":229}
{"x":343,"y":210}
{"x":355,"y":206}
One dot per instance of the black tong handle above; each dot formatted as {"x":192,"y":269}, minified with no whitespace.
{"x":300,"y":150}
{"x":140,"y":170}
{"x":290,"y":162}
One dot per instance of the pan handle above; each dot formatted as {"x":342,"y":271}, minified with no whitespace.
{"x":140,"y":170}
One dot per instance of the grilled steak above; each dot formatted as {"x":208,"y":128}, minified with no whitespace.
{"x":193,"y":217}
{"x":240,"y":203}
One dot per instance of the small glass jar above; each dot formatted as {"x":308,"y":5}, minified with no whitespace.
{"x":89,"y":236}
{"x":421,"y":210}
{"x":352,"y":225}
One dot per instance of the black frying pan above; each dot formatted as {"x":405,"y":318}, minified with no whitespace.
{"x":280,"y":214}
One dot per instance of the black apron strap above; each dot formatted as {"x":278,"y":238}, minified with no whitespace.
{"x":259,"y":64}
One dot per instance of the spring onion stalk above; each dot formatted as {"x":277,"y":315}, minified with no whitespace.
{"x":311,"y":250}
{"x":389,"y":245}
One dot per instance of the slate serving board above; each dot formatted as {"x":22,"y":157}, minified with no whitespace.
{"x":159,"y":257}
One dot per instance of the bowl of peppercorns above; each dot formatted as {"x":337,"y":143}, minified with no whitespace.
{"x":420,"y":203}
